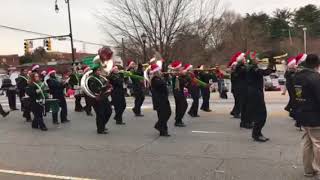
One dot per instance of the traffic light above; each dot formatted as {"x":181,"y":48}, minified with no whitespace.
{"x":47,"y":43}
{"x":26,"y":47}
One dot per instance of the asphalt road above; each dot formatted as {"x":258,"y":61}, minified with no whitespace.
{"x":210,"y":147}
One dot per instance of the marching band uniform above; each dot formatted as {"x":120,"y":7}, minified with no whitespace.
{"x":138,"y":87}
{"x":161,"y":101}
{"x":118,"y":94}
{"x":22,"y":83}
{"x":56,"y":88}
{"x":101,"y":105}
{"x":74,"y":82}
{"x":205,"y":91}
{"x":289,"y":75}
{"x":256,"y":108}
{"x":194,"y":90}
{"x":178,"y":85}
{"x":37,"y":99}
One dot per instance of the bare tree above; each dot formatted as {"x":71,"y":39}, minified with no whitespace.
{"x":160,"y":20}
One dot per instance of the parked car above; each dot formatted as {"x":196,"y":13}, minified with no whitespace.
{"x":271,"y":83}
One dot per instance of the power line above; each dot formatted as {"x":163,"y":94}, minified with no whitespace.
{"x":42,"y":34}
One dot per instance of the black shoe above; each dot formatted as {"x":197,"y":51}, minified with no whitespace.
{"x":5,"y":114}
{"x":180,"y":124}
{"x":157,"y":127}
{"x":14,"y":109}
{"x":261,"y":139}
{"x":65,"y":121}
{"x":78,"y":110}
{"x":43,"y":128}
{"x":246,"y":126}
{"x":165,"y":134}
{"x":120,"y":123}
{"x":102,"y":132}
{"x":236,"y":116}
{"x":207,"y":110}
{"x":89,"y":114}
{"x":56,"y":122}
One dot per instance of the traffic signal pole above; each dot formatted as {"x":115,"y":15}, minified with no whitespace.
{"x":71,"y":35}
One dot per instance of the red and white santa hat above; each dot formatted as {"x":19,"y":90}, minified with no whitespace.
{"x":51,"y":71}
{"x":85,"y":68}
{"x":238,"y":57}
{"x":35,"y":67}
{"x":291,"y":62}
{"x":301,"y":58}
{"x":201,"y":67}
{"x":130,"y":63}
{"x":44,"y":73}
{"x":187,"y":67}
{"x":175,"y":65}
{"x":154,"y":68}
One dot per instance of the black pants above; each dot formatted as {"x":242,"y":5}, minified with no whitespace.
{"x":236,"y":111}
{"x":25,"y":106}
{"x":195,"y":93}
{"x":64,"y":110}
{"x":205,"y":92}
{"x":244,"y":109}
{"x":291,"y":104}
{"x":257,"y":111}
{"x":181,"y":105}
{"x":139,"y":99}
{"x":37,"y":111}
{"x":89,"y":103}
{"x":78,"y":106}
{"x":164,"y":113}
{"x":103,"y":112}
{"x":2,"y":112}
{"x":12,"y":99}
{"x":119,"y":103}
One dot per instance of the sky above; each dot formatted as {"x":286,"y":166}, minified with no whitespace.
{"x":40,"y":16}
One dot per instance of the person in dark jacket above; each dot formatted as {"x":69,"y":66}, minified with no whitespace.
{"x":56,"y":88}
{"x":289,"y":75}
{"x":11,"y":93}
{"x":37,"y":99}
{"x":74,"y":82}
{"x":22,"y":83}
{"x":179,"y":82}
{"x":194,"y":90}
{"x":118,"y":94}
{"x":161,"y":101}
{"x":206,"y":77}
{"x":307,"y":97}
{"x":256,"y":107}
{"x":137,"y":86}
{"x":101,"y":105}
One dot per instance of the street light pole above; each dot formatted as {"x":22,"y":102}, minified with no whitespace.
{"x":70,"y":27}
{"x":144,"y":40}
{"x":305,"y":39}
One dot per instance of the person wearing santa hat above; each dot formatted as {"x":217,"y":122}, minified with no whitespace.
{"x":43,"y":75}
{"x":194,"y":91}
{"x":74,"y":82}
{"x":56,"y":88}
{"x":101,"y":88}
{"x":206,"y":76}
{"x":238,"y":85}
{"x":22,"y":83}
{"x":137,"y":87}
{"x":289,"y":76}
{"x":161,"y":100}
{"x":35,"y":68}
{"x":179,"y":82}
{"x":118,"y":94}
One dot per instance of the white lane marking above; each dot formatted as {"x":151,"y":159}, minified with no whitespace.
{"x":208,"y":132}
{"x":41,"y":175}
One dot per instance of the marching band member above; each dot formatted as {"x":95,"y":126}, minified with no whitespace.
{"x":56,"y":88}
{"x":161,"y":101}
{"x":88,"y":100}
{"x":206,"y":77}
{"x":101,"y":88}
{"x":179,"y":82}
{"x":37,"y":98}
{"x":118,"y":94}
{"x":35,"y":68}
{"x":22,"y":83}
{"x":194,"y":90}
{"x":74,"y":82}
{"x":43,"y":75}
{"x":138,"y":87}
{"x":289,"y":75}
{"x":256,"y":108}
